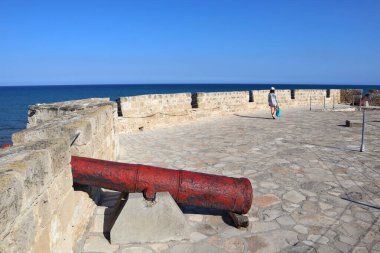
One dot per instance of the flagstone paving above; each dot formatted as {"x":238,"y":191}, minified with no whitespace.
{"x":313,"y":190}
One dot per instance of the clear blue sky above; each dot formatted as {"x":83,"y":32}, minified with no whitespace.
{"x":189,"y":41}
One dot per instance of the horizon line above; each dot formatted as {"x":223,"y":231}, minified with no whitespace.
{"x":261,"y":84}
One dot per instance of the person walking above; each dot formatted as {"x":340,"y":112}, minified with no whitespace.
{"x":272,"y":102}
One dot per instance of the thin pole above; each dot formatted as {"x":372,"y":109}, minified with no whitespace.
{"x":324,"y":103}
{"x":310,"y":103}
{"x":360,"y":100}
{"x":353,"y":100}
{"x":362,"y":144}
{"x":333,"y":103}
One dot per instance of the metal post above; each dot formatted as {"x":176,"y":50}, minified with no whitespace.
{"x":310,"y":103}
{"x":360,"y":100}
{"x":362,"y":144}
{"x":333,"y":103}
{"x":324,"y":103}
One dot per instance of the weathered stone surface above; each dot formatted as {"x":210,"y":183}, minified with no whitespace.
{"x":310,"y":207}
{"x":318,"y":238}
{"x":271,"y":241}
{"x":348,"y":240}
{"x":352,"y":229}
{"x":342,"y":246}
{"x":300,"y":249}
{"x":324,"y":206}
{"x":74,"y":214}
{"x":196,"y":236}
{"x":326,"y":249}
{"x":313,"y":219}
{"x":195,"y":248}
{"x":269,"y":185}
{"x":265,"y":200}
{"x":44,"y":112}
{"x":21,"y":236}
{"x":10,"y":201}
{"x":59,"y":152}
{"x":32,"y":171}
{"x":315,"y":186}
{"x":301,"y":229}
{"x":364,"y":216}
{"x":271,"y":214}
{"x":98,"y":244}
{"x":194,"y":217}
{"x":136,"y":250}
{"x":293,"y":196}
{"x":360,"y":250}
{"x":231,"y":245}
{"x":159,"y":247}
{"x":372,"y":235}
{"x":257,"y":227}
{"x":43,"y":241}
{"x":101,"y":223}
{"x":376,"y":247}
{"x":232,"y":232}
{"x":96,"y":128}
{"x":141,"y":221}
{"x":285,"y":221}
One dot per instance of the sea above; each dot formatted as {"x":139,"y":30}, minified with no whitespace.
{"x":14,"y":100}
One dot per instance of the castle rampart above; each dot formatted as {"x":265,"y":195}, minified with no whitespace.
{"x":151,"y":111}
{"x":39,"y":209}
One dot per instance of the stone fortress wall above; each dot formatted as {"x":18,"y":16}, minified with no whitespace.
{"x":39,"y":209}
{"x":151,"y":111}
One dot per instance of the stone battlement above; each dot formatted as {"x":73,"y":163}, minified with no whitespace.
{"x":152,"y":111}
{"x":39,"y":209}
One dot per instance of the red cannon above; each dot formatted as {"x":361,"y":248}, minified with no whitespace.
{"x":186,"y":187}
{"x":4,"y":146}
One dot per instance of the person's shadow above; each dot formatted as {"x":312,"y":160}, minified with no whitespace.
{"x":252,"y":117}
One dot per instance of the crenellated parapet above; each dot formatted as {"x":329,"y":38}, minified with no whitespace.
{"x":139,"y":113}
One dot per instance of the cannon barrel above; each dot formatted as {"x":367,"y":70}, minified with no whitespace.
{"x":6,"y":145}
{"x":186,"y":187}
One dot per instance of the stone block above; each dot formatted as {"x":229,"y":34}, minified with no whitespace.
{"x":10,"y":201}
{"x":83,"y":210}
{"x":40,"y":132}
{"x":143,"y":221}
{"x":81,"y":127}
{"x":42,"y":242}
{"x":21,"y":237}
{"x":68,"y":218}
{"x":40,"y":113}
{"x":32,"y":169}
{"x":58,"y":149}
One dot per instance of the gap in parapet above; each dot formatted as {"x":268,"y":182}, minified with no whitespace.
{"x":119,"y":112}
{"x":194,"y":100}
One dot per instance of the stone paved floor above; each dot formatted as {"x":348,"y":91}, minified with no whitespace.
{"x":300,"y":167}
